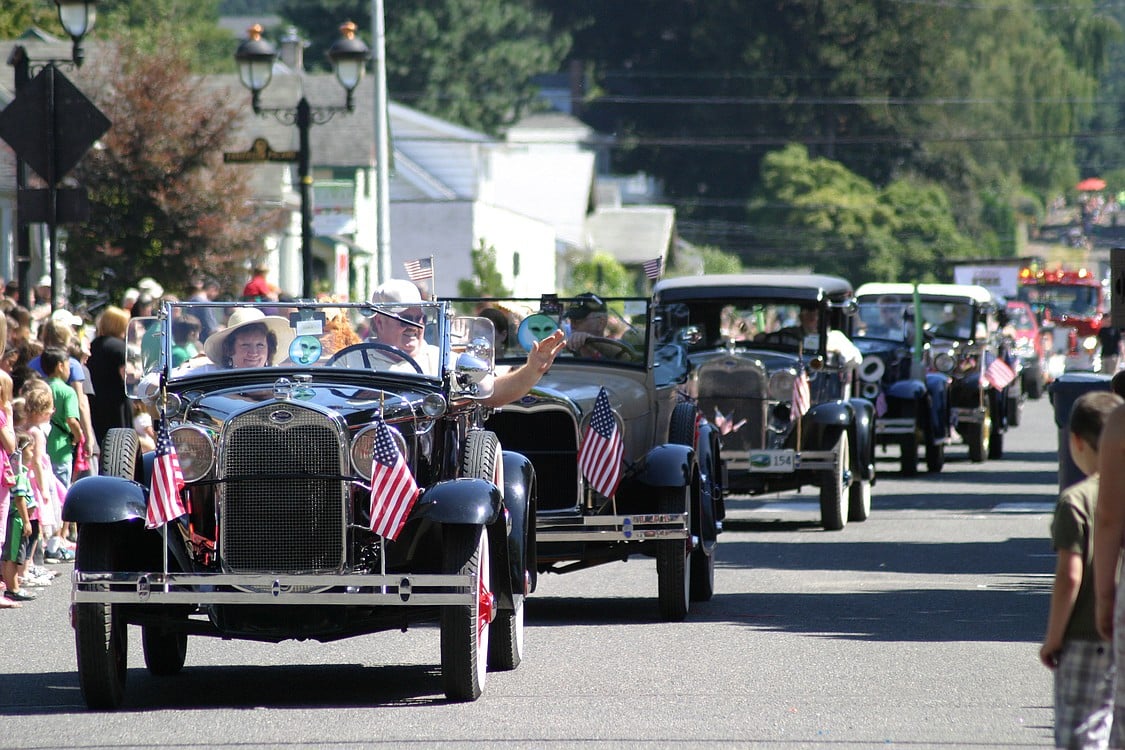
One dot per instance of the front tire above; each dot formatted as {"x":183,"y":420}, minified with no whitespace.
{"x":909,"y":460}
{"x":979,"y":438}
{"x":935,"y":457}
{"x":673,"y":562}
{"x":833,"y":499}
{"x":505,"y":646}
{"x":121,"y":450}
{"x":165,"y":651}
{"x":465,"y":628}
{"x":101,"y":637}
{"x":859,"y":500}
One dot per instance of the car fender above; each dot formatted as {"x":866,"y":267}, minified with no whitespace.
{"x":668,"y":465}
{"x":465,"y":500}
{"x":104,"y":499}
{"x":516,"y":554}
{"x":863,"y":437}
{"x":711,"y":484}
{"x":937,"y":385}
{"x":908,"y":390}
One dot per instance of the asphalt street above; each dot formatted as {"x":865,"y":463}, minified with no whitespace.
{"x":917,"y":628}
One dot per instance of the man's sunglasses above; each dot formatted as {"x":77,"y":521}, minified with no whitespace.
{"x":417,"y":321}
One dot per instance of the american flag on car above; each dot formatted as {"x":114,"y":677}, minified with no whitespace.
{"x":599,"y":458}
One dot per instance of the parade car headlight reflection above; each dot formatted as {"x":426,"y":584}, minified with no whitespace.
{"x":944,"y":362}
{"x":194,"y":450}
{"x":363,"y":449}
{"x":781,"y":385}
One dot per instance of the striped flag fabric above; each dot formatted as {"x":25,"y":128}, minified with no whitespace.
{"x":801,"y":398}
{"x":164,"y":501}
{"x":999,"y":374}
{"x":880,"y":404}
{"x":393,"y":489}
{"x":654,"y":268}
{"x":419,"y":269}
{"x":599,"y":458}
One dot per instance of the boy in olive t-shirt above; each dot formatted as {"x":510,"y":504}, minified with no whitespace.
{"x":1085,"y":678}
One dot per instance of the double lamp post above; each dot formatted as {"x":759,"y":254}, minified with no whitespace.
{"x":256,"y":57}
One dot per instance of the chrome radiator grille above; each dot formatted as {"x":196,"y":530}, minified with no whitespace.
{"x":283,"y":507}
{"x":738,"y":391}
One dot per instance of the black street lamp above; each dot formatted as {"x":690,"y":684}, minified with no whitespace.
{"x":77,"y":18}
{"x":255,"y":58}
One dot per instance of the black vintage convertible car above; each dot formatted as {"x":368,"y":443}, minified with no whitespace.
{"x":281,"y":534}
{"x":780,"y":394}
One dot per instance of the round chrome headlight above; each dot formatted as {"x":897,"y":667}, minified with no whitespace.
{"x":194,"y":450}
{"x":781,"y":385}
{"x":871,"y":369}
{"x":433,"y":405}
{"x":363,"y":448}
{"x":944,"y":362}
{"x":869,"y":391}
{"x":1090,"y":343}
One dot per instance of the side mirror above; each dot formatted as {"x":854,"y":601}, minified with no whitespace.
{"x":144,"y":350}
{"x":473,"y":344}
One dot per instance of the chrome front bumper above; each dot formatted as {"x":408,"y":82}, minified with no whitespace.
{"x":902,"y":426}
{"x":404,"y":590}
{"x":804,"y":461}
{"x":636,"y":527}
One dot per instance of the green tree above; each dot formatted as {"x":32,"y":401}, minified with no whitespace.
{"x":162,"y":204}
{"x":467,"y":61}
{"x":487,"y":280}
{"x":817,"y":214}
{"x":602,"y":274}
{"x":975,"y":97}
{"x":147,"y":26}
{"x":20,"y":15}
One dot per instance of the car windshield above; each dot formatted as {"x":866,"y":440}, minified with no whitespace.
{"x":891,"y":319}
{"x":1056,"y":300}
{"x":615,"y":328}
{"x":411,"y":339}
{"x":942,"y":317}
{"x":1020,"y":317}
{"x":707,"y":324}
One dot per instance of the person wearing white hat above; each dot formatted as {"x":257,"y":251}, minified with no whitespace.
{"x":150,"y":285}
{"x":404,"y":331}
{"x":251,"y":339}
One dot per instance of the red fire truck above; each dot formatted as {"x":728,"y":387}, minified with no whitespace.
{"x":1075,"y":304}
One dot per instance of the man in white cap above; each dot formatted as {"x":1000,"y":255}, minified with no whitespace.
{"x":404,"y":330}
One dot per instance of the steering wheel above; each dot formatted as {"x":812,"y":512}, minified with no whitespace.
{"x":622,"y":348}
{"x":365,"y":346}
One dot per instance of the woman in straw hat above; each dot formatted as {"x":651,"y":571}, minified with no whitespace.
{"x":251,"y":339}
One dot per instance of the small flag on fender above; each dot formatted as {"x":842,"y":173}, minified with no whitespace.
{"x":393,"y":489}
{"x":801,"y":398}
{"x":164,"y":502}
{"x":599,"y":458}
{"x":999,"y":374}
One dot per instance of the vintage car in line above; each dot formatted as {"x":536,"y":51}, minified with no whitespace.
{"x":750,"y":365}
{"x":1036,"y":371}
{"x":668,"y":504}
{"x":912,"y":400}
{"x":289,"y":472}
{"x":965,"y":337}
